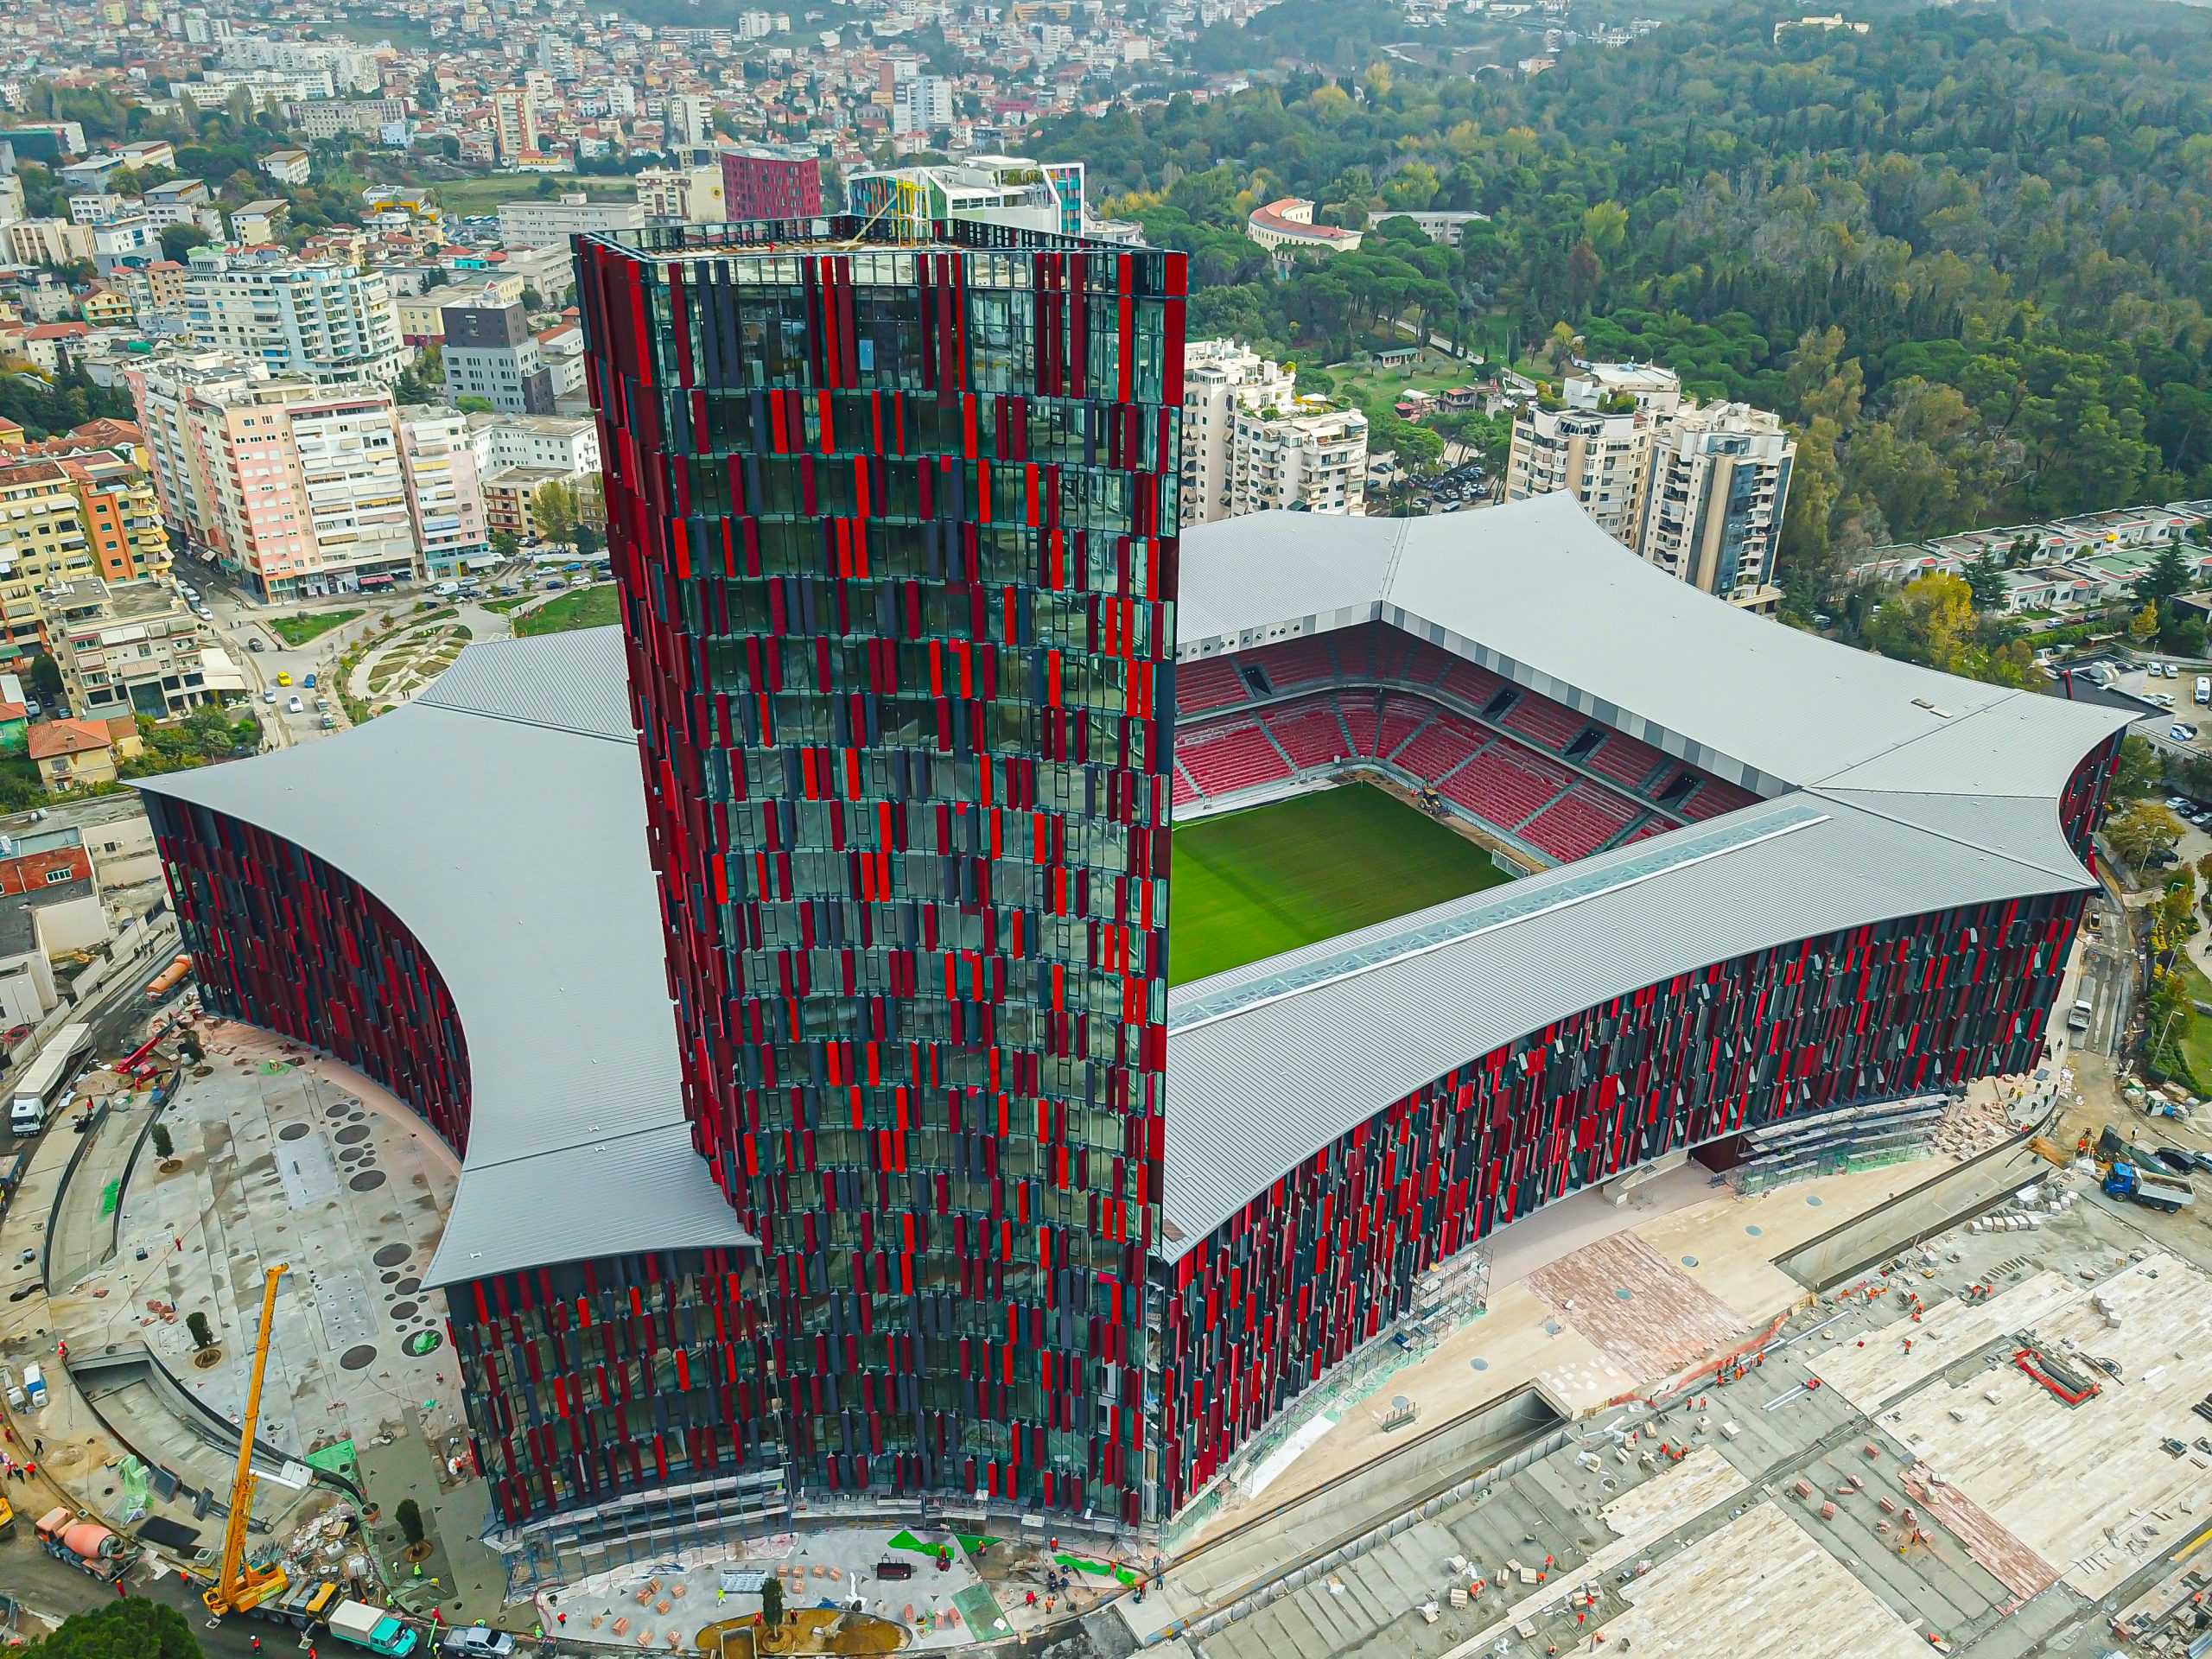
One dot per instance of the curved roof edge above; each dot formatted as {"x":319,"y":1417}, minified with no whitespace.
{"x":501,"y":818}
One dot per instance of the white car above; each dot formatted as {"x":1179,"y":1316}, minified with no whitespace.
{"x":295,"y":706}
{"x":269,"y":694}
{"x":2181,"y":733}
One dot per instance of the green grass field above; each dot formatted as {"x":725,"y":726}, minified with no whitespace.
{"x":1257,"y":883}
{"x":580,"y":608}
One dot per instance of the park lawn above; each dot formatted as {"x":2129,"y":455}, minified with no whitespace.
{"x":2195,"y":1043}
{"x":580,"y":608}
{"x":298,"y":630}
{"x":1269,"y":879}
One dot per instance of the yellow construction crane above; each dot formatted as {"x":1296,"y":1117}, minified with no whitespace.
{"x":240,"y":1587}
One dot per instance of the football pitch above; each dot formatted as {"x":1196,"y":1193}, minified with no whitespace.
{"x":1256,"y":883}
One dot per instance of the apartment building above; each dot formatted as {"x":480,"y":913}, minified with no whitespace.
{"x":1013,"y":191}
{"x":491,"y":353}
{"x":549,"y":223}
{"x":49,"y":242}
{"x":128,"y":648}
{"x":1222,"y":378}
{"x":511,"y":498}
{"x":1603,"y":460}
{"x":1719,"y":485}
{"x":122,"y":516}
{"x":1697,"y":491}
{"x":43,"y":543}
{"x":328,"y":323}
{"x":1313,"y":459}
{"x":514,"y":124}
{"x":444,"y":493}
{"x":762,"y":182}
{"x":558,"y":444}
{"x":693,"y":194}
{"x":296,"y":487}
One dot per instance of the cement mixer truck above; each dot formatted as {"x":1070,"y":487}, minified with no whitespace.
{"x":85,"y":1545}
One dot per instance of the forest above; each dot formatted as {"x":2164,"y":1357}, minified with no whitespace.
{"x":1965,"y":254}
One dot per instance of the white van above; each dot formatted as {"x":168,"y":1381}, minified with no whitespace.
{"x":2204,"y":688}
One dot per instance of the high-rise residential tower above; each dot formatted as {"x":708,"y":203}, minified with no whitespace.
{"x":895,"y":524}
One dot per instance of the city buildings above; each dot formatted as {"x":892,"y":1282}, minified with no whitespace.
{"x":328,"y":322}
{"x":762,"y":182}
{"x":1602,"y":459}
{"x":43,"y":543}
{"x":566,"y":446}
{"x":128,"y":648}
{"x":491,"y":353}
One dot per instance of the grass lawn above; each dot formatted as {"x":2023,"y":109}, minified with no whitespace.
{"x":1257,"y":883}
{"x":580,"y":608}
{"x":298,"y":630}
{"x":2195,"y":1032}
{"x":471,"y":196}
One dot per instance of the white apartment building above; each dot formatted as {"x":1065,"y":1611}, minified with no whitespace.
{"x":330,"y":323}
{"x":693,"y":194}
{"x":1221,"y":380}
{"x":1653,"y":389}
{"x":548,"y":224}
{"x":921,"y":104}
{"x":1720,"y":484}
{"x":163,"y":389}
{"x":1603,"y":461}
{"x":690,"y":119}
{"x":540,"y":442}
{"x":442,"y":491}
{"x":351,"y":68}
{"x":1312,"y":460}
{"x":360,"y":533}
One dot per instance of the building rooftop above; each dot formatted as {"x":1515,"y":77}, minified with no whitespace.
{"x":19,"y":913}
{"x":1889,"y":790}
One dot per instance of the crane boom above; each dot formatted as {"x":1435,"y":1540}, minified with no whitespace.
{"x":240,"y":1587}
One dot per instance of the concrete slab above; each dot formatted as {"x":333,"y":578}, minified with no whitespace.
{"x":1761,"y":1587}
{"x":1643,"y":1314}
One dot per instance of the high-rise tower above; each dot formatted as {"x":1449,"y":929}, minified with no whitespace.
{"x":895,"y":527}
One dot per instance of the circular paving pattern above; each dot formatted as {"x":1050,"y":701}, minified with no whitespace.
{"x":352,"y":1133}
{"x":368,"y":1181}
{"x":391,"y":1256}
{"x":357,"y":1359}
{"x":422,"y":1342}
{"x":335,"y":1111}
{"x":405,"y":1310}
{"x":293,"y":1131}
{"x":410,"y":1286}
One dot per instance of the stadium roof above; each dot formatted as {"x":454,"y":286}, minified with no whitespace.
{"x":1893,"y":790}
{"x":502,"y":819}
{"x":521,"y":869}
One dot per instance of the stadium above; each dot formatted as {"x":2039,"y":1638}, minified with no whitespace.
{"x":1760,"y":875}
{"x":964,"y":998}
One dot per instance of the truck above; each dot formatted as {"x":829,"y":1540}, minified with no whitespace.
{"x":378,"y":1628}
{"x":302,"y":1606}
{"x":2146,"y":1186}
{"x":40,"y":1090}
{"x":85,"y":1545}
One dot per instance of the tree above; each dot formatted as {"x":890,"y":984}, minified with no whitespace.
{"x":409,"y":1514}
{"x":473,"y":405}
{"x":427,"y":92}
{"x":771,"y":1600}
{"x":589,"y":538}
{"x":133,"y":1628}
{"x":179,"y":240}
{"x":2163,"y":579}
{"x":1985,"y":581}
{"x":1932,"y":621}
{"x":45,"y":677}
{"x":2138,"y":772}
{"x":203,"y":1336}
{"x":504,"y":544}
{"x":165,"y":1149}
{"x":553,"y":508}
{"x":2140,"y":831}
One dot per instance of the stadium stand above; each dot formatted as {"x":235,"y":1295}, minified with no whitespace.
{"x":1213,"y":683}
{"x":1231,"y":758}
{"x":1552,"y":724}
{"x":1294,"y":662}
{"x":1711,"y":797}
{"x":1362,"y":711}
{"x":1309,"y":731}
{"x":1188,"y":793}
{"x":1473,"y":684}
{"x":1580,"y":822}
{"x":1441,"y":745}
{"x":1624,"y":759}
{"x":1401,"y":718}
{"x":1506,"y":782}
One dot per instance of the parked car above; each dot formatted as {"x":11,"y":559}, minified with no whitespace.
{"x":294,"y":706}
{"x":474,"y":1642}
{"x":253,"y":642}
{"x":269,"y":694}
{"x":2181,"y":733}
{"x":308,"y":681}
{"x":2182,"y":1163}
{"x":284,"y":678}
